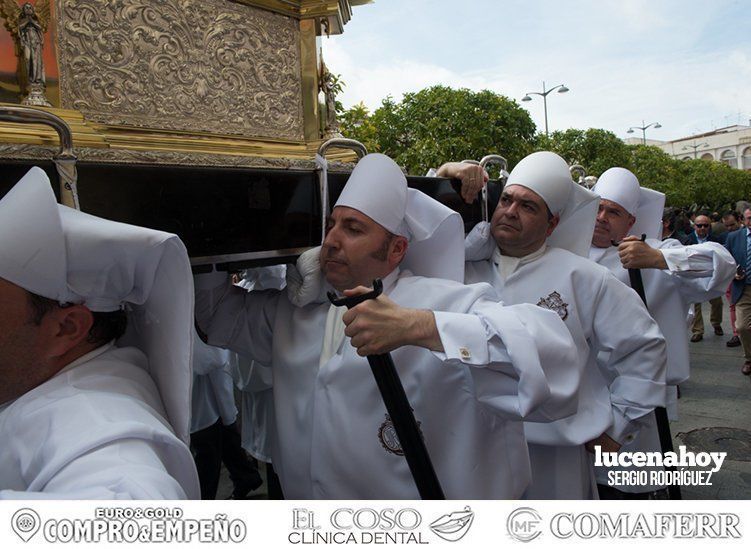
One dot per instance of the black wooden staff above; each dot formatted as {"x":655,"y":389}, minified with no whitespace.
{"x":398,"y":408}
{"x":661,"y":414}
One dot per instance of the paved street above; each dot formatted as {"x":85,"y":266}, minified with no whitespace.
{"x":717,"y":396}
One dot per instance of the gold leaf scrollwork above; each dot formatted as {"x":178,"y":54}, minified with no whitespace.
{"x":191,"y":65}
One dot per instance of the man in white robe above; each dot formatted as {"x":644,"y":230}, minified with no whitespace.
{"x":214,"y":427}
{"x":531,"y":252}
{"x":674,"y":276}
{"x":469,"y":366}
{"x":85,"y":411}
{"x":256,"y":386}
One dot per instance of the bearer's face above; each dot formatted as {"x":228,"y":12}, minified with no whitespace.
{"x":520,"y":223}
{"x":747,"y":219}
{"x":20,"y":341}
{"x":613,"y":223}
{"x":357,"y":249}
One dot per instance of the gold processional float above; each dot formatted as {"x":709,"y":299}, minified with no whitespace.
{"x":212,"y":119}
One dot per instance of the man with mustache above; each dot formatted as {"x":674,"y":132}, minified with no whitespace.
{"x":469,"y":366}
{"x":532,"y":252}
{"x":674,"y":276}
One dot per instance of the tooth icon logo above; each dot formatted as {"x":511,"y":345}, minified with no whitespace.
{"x":25,"y":523}
{"x":454,"y":526}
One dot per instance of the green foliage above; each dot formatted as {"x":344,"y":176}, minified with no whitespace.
{"x":438,"y":124}
{"x":337,"y":85}
{"x":596,"y":150}
{"x":657,"y":170}
{"x":356,"y":123}
{"x":711,"y":185}
{"x":708,"y":184}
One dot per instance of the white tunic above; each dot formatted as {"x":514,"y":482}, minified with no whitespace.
{"x":213,"y":395}
{"x":695,"y":274}
{"x":254,"y":380}
{"x":96,"y":430}
{"x":255,"y":383}
{"x":329,"y":417}
{"x":601,"y":314}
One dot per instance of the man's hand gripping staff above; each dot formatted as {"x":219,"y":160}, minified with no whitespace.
{"x":369,"y":324}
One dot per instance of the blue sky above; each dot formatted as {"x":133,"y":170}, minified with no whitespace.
{"x":685,"y":64}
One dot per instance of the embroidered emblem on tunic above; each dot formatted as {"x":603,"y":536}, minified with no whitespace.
{"x":388,"y":438}
{"x":554,"y":302}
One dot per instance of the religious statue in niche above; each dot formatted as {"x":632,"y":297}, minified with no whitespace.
{"x":27,"y":24}
{"x":330,"y":86}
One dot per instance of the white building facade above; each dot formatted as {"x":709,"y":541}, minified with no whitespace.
{"x":731,"y":145}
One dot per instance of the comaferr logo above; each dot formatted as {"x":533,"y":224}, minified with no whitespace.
{"x":641,"y":525}
{"x":524,"y":524}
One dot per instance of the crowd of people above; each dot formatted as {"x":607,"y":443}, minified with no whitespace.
{"x":552,"y":329}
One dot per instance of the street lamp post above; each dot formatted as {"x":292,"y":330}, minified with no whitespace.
{"x":643,"y":129}
{"x":695,"y":147}
{"x":561,"y":89}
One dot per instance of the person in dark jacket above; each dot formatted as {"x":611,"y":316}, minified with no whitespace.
{"x":669,"y":217}
{"x":731,"y":220}
{"x":738,"y":244}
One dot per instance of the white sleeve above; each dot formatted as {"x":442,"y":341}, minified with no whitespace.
{"x":511,"y":350}
{"x":702,"y":271}
{"x":235,"y":319}
{"x":631,"y":355}
{"x":207,"y":358}
{"x":126,"y":469}
{"x":224,"y":392}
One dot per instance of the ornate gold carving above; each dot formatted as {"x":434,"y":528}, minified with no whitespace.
{"x":126,"y":156}
{"x":309,"y":81}
{"x":335,"y":13}
{"x":188,"y":65}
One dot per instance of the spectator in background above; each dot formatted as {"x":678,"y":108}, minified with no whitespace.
{"x":669,"y":219}
{"x":738,"y":243}
{"x":701,"y":234}
{"x":682,"y":226}
{"x":691,"y":219}
{"x":732,"y":223}
{"x":718,"y":228}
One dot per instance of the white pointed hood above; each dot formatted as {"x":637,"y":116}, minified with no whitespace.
{"x":72,"y":257}
{"x":378,"y":188}
{"x":621,"y":186}
{"x":548,"y":175}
